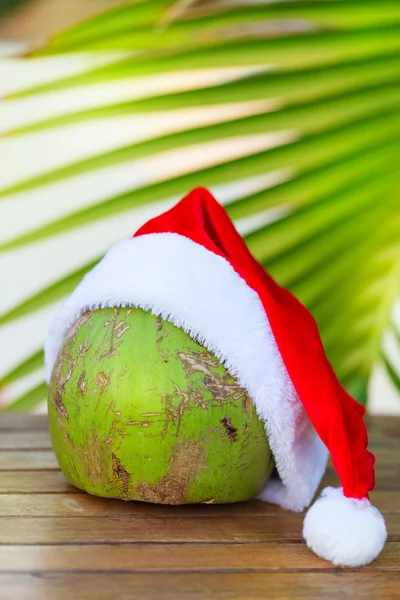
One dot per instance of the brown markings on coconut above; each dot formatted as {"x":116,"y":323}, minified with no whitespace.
{"x":162,"y":354}
{"x":93,"y":456}
{"x":65,"y":357}
{"x":84,"y":347}
{"x":59,"y":389}
{"x":231,"y":431}
{"x":185,"y":404}
{"x":211,"y":501}
{"x":109,"y":353}
{"x":159,"y":323}
{"x":171,"y":413}
{"x":82,"y":384}
{"x":245,"y":440}
{"x":102,"y":382}
{"x":116,"y":330}
{"x":221,"y":389}
{"x":159,"y":326}
{"x":173,"y":488}
{"x":121,"y":476}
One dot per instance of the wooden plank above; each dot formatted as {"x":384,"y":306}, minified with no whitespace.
{"x":23,"y":440}
{"x":25,"y":421}
{"x":385,"y":428}
{"x":384,"y":455}
{"x":154,"y":557}
{"x":84,"y":505}
{"x":386,"y":501}
{"x":202,"y":586}
{"x":387,"y":477}
{"x":145,"y":529}
{"x":380,"y":440}
{"x":55,"y":505}
{"x":33,"y":482}
{"x":22,"y":460}
{"x":53,"y":482}
{"x":59,"y":543}
{"x":136,"y":529}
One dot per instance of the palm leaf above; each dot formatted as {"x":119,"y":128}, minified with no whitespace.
{"x":392,"y":372}
{"x":387,"y":359}
{"x":331,"y":134}
{"x":129,"y":29}
{"x":29,"y":400}
{"x":293,"y":52}
{"x":30,"y":364}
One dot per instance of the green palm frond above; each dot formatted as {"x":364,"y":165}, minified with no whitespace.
{"x":317,"y":136}
{"x":392,"y":370}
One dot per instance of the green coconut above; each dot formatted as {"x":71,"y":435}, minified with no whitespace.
{"x":140,"y":411}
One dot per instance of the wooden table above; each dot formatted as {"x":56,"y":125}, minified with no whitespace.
{"x":58,"y":543}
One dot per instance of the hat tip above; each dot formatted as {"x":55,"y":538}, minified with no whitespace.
{"x":199,"y":191}
{"x":346,"y":531}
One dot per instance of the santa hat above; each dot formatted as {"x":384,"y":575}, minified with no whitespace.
{"x":190,"y":266}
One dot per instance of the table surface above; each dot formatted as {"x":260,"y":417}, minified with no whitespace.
{"x":59,"y":543}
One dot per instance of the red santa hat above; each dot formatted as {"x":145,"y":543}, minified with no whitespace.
{"x":190,"y":266}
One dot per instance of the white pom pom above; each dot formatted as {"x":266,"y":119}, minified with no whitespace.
{"x":345,"y":531}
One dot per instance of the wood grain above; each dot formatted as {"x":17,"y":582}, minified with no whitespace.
{"x":146,"y":529}
{"x":45,"y":505}
{"x":137,"y":529}
{"x":21,"y":460}
{"x":25,"y":440}
{"x":384,"y":428}
{"x":34,"y":482}
{"x":17,"y":421}
{"x":202,"y":586}
{"x":387,"y":477}
{"x":386,"y":495}
{"x":61,"y":504}
{"x":59,"y":543}
{"x":155,"y":557}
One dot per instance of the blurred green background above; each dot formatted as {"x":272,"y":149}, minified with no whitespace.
{"x":288,"y":111}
